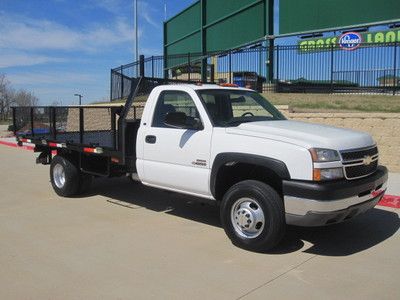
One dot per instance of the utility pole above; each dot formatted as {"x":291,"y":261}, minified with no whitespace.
{"x":80,"y":98}
{"x":136,"y":32}
{"x":165,"y":11}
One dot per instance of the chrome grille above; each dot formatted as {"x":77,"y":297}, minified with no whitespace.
{"x":359,"y":163}
{"x":358,"y":154}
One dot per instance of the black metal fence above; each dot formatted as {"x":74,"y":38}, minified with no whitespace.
{"x":371,"y":68}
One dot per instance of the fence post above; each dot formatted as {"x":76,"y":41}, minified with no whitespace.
{"x":81,"y":125}
{"x":152,"y":66}
{"x":230,"y":66}
{"x":14,"y":121}
{"x":212,"y":74}
{"x":122,"y":81}
{"x":188,"y":63}
{"x":270,"y":69}
{"x":51,"y":122}
{"x":331,"y":68}
{"x":141,"y":66}
{"x":113,"y":127}
{"x":395,"y":69}
{"x":260,"y":60}
{"x":111,"y":84}
{"x":32,"y":125}
{"x":277,"y":64}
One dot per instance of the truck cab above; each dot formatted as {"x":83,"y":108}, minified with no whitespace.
{"x":204,"y":140}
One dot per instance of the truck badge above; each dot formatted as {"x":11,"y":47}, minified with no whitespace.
{"x":367,"y":160}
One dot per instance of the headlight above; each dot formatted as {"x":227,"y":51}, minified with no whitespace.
{"x":324,"y":155}
{"x":327,"y":174}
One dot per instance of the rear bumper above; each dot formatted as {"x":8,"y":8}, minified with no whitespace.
{"x":317,"y":204}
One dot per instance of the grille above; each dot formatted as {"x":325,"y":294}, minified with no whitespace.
{"x":353,"y":162}
{"x":360,"y":170}
{"x":359,"y":154}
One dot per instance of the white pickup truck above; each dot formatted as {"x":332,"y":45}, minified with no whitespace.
{"x":223,"y":143}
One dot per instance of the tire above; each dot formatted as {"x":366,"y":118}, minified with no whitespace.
{"x":64,"y":176}
{"x":253,"y":216}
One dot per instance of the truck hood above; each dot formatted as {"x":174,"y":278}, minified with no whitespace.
{"x":305,"y":134}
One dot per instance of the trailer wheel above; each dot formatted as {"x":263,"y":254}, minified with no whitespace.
{"x":253,"y":216}
{"x":64,"y":176}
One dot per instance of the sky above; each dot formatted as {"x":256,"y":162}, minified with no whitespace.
{"x":56,"y":48}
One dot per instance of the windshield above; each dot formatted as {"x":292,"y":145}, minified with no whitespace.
{"x":234,"y":107}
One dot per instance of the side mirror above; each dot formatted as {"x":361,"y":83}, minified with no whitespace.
{"x":182,"y":121}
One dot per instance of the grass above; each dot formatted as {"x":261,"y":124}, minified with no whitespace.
{"x":336,"y":102}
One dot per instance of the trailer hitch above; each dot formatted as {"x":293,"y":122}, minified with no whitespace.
{"x":44,"y":158}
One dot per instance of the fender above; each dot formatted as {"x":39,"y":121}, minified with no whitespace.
{"x":279,"y":167}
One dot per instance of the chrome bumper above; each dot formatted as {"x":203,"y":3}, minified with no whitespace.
{"x":303,"y":211}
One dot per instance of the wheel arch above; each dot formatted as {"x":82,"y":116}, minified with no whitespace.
{"x":230,"y":168}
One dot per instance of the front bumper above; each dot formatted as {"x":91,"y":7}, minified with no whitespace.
{"x":317,"y":204}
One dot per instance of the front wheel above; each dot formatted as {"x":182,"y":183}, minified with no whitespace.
{"x":253,"y":215}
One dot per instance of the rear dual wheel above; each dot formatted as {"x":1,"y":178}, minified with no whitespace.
{"x":66,"y":178}
{"x":253,"y":216}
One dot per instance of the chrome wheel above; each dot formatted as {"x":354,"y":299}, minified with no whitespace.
{"x":247,"y":218}
{"x":59,"y":176}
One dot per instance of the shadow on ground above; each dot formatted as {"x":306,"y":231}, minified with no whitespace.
{"x":343,"y":239}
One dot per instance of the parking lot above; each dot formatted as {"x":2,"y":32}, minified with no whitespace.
{"x":127,"y":241}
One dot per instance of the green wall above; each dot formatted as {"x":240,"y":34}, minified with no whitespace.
{"x":213,"y":25}
{"x":186,"y":22}
{"x":296,"y":16}
{"x":236,"y":30}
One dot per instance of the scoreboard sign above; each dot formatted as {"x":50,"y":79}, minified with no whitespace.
{"x":298,"y":17}
{"x":349,"y":40}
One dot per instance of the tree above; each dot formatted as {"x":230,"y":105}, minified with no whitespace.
{"x":25,"y":98}
{"x":6,"y":97}
{"x":10,"y":97}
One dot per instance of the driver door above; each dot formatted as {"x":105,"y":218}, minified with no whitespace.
{"x":177,"y":159}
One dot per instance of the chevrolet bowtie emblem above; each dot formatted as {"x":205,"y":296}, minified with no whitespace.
{"x":367,"y":160}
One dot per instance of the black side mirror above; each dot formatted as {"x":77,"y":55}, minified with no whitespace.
{"x":182,"y":121}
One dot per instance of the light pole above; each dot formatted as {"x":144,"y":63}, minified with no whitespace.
{"x":136,"y":32}
{"x":80,"y":98}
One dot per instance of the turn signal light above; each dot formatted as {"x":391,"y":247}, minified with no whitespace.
{"x":317,"y":174}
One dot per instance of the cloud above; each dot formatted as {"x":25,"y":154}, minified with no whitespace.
{"x":51,"y":77}
{"x":24,"y":59}
{"x":113,"y":6}
{"x":24,"y":33}
{"x":146,"y":11}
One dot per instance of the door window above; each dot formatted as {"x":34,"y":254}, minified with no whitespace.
{"x":173,"y":101}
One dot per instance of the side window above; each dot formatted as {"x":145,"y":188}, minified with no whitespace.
{"x":173,"y":101}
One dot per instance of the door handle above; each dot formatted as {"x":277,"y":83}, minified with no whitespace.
{"x":151,"y":139}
